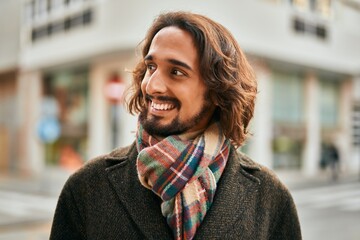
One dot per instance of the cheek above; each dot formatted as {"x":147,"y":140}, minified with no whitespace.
{"x":143,"y":86}
{"x":193,"y":101}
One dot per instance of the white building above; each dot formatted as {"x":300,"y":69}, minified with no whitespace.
{"x":305,"y":52}
{"x":9,"y":52}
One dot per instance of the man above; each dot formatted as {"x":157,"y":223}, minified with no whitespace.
{"x":182,"y":178}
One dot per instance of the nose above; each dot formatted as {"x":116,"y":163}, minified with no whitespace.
{"x":155,"y":84}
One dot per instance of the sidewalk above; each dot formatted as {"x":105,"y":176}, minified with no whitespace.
{"x":49,"y":182}
{"x":297,"y":180}
{"x":27,"y":204}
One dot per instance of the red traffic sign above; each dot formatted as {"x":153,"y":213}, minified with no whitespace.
{"x":114,"y":90}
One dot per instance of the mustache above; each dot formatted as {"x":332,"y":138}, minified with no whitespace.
{"x":173,"y":100}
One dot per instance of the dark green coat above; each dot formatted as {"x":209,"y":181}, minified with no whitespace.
{"x":104,"y":200}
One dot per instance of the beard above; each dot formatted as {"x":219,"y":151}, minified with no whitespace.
{"x":153,"y":126}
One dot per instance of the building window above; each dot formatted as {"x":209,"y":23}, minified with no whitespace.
{"x":40,"y":8}
{"x":70,"y":23}
{"x":299,"y":25}
{"x":287,"y":100}
{"x":323,"y":7}
{"x":29,"y":12}
{"x":56,"y":27}
{"x":287,"y":152}
{"x":301,"y":4}
{"x":38,"y":16}
{"x":318,"y":7}
{"x":288,"y":114}
{"x":329,"y":103}
{"x":69,"y":89}
{"x":302,"y":26}
{"x":321,"y":31}
{"x":56,"y":4}
{"x":87,"y":17}
{"x":356,"y":125}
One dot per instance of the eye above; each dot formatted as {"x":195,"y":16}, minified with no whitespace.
{"x":150,"y":67}
{"x":177,"y":72}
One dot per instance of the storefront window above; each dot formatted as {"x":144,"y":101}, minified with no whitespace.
{"x":288,"y":114}
{"x":287,"y":98}
{"x":69,"y":89}
{"x":329,"y":103}
{"x":287,"y":152}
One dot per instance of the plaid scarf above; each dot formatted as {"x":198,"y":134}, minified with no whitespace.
{"x":184,"y":173}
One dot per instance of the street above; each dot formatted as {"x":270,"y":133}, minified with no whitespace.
{"x":330,"y":212}
{"x":25,"y":215}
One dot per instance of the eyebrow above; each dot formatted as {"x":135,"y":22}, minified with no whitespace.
{"x":172,"y":61}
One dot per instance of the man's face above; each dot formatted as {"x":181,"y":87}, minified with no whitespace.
{"x":176,"y":96}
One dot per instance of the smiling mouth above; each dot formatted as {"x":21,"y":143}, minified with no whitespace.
{"x":162,"y":106}
{"x":162,"y":103}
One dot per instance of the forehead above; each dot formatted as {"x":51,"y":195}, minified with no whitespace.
{"x":172,"y":33}
{"x":173,"y":42}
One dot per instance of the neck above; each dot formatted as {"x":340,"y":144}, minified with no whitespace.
{"x":191,"y":134}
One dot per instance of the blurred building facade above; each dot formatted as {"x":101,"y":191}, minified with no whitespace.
{"x":9,"y":67}
{"x":59,"y":104}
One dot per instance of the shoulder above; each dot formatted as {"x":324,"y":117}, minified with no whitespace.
{"x":96,"y":168}
{"x":266,"y":178}
{"x":273,"y":196}
{"x":270,"y":191}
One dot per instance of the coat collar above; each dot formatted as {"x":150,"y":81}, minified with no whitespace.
{"x":142,"y":205}
{"x":235,"y":194}
{"x":235,"y":197}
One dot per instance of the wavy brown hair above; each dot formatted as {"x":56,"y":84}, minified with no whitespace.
{"x":227,"y":74}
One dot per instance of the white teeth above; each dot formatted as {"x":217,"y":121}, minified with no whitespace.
{"x":162,"y":106}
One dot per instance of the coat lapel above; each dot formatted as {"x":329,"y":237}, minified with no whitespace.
{"x":234,"y":202}
{"x":142,"y":204}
